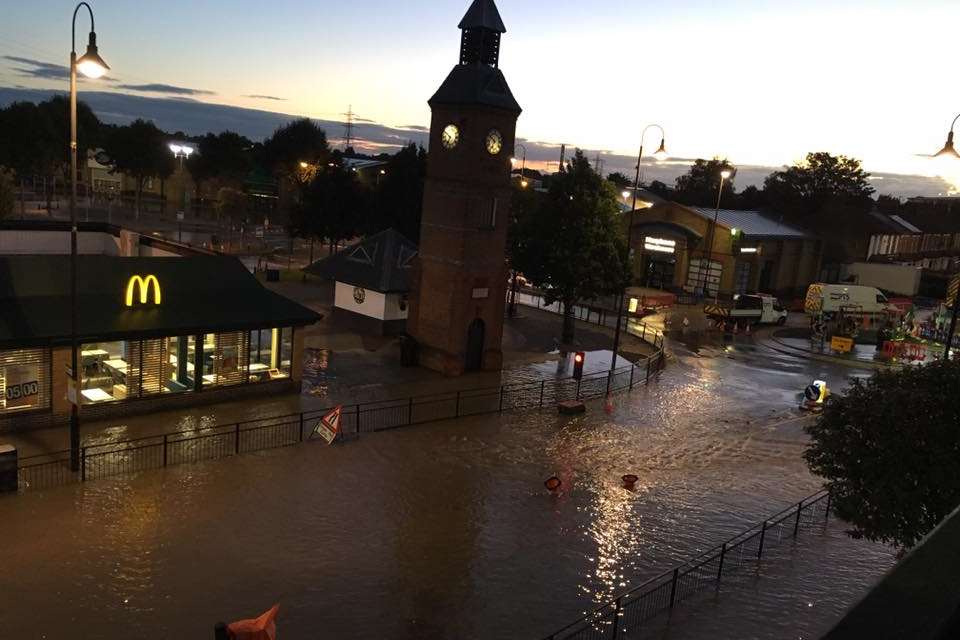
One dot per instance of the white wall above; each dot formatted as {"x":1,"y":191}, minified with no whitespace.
{"x":392,"y":308}
{"x":374,"y":302}
{"x":56,"y":243}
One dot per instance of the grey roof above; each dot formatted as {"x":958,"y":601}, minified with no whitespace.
{"x":483,"y":14}
{"x":751,"y":223}
{"x":470,"y":84}
{"x":382,"y":262}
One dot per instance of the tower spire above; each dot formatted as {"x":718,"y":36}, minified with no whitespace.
{"x":482,"y":27}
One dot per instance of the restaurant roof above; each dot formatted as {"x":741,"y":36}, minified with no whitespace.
{"x":198,"y":294}
{"x":381,"y":263}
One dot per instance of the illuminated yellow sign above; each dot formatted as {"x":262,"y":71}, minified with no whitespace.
{"x":143,"y":284}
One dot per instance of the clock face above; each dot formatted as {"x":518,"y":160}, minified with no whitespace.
{"x":450,"y":136}
{"x":494,"y":142}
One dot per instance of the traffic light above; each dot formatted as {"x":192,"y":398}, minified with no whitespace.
{"x":578,"y":359}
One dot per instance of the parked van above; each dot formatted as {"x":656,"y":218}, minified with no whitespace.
{"x":830,"y":298}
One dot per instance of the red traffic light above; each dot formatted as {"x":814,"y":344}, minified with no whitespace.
{"x":578,"y":358}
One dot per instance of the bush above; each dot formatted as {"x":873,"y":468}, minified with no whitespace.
{"x":889,"y":449}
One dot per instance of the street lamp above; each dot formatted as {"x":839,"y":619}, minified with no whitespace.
{"x":512,"y":308}
{"x":949,"y":151}
{"x":724,"y":176}
{"x":181,"y":152}
{"x":90,"y":65}
{"x":660,"y":154}
{"x":523,"y":163}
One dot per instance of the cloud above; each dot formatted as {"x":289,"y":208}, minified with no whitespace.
{"x":261,"y":97}
{"x":38,"y":69}
{"x":166,"y":88}
{"x":415,"y":127}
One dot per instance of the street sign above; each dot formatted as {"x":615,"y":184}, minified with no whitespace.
{"x":841,"y":345}
{"x":329,"y":426}
{"x":179,"y":216}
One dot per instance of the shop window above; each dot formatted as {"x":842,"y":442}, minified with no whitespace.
{"x":24,"y":380}
{"x":106,"y":372}
{"x":225,"y":358}
{"x":271,"y":352}
{"x":178,"y":367}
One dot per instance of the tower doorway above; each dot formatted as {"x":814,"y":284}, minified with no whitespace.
{"x":475,"y":335}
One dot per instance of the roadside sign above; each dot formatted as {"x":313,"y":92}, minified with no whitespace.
{"x":179,"y":216}
{"x":329,"y":426}
{"x":841,"y":345}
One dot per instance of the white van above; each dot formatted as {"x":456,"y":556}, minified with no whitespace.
{"x":830,"y":298}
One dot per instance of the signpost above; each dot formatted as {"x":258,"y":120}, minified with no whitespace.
{"x":329,"y":426}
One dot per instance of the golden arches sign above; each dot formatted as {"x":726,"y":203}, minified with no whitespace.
{"x":143,"y":285}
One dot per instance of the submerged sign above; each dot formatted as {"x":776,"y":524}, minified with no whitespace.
{"x":329,"y":425}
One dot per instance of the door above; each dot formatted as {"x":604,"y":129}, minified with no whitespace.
{"x":658,"y":272}
{"x":475,"y":345}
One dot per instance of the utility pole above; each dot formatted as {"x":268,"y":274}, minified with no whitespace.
{"x":348,"y":128}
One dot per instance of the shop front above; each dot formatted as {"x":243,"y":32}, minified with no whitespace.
{"x":151,"y":333}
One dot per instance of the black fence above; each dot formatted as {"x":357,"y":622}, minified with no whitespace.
{"x":625,"y":616}
{"x":220,"y":441}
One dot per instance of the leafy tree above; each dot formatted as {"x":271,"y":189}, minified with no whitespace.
{"x":7,"y":194}
{"x":299,"y":141}
{"x":620,"y":180}
{"x":660,"y":189}
{"x":751,"y":199}
{"x":825,"y":193}
{"x":701,"y":184}
{"x":398,"y":199}
{"x":569,"y":241}
{"x":330,"y":206}
{"x":224,"y":156}
{"x":888,"y":449}
{"x":140,"y":151}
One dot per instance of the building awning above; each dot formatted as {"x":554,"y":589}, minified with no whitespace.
{"x":201,"y":294}
{"x":382,"y":262}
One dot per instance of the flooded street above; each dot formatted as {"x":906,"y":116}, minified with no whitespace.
{"x":445,"y":530}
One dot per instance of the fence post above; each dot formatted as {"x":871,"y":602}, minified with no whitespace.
{"x":644,"y":338}
{"x":617,"y":608}
{"x":410,"y":411}
{"x":579,"y":380}
{"x":358,"y":418}
{"x":236,"y":438}
{"x":632,"y":367}
{"x":796,"y":525}
{"x":83,"y":464}
{"x":723,"y":553}
{"x":501,"y":399}
{"x":301,"y":426}
{"x":542,"y":385}
{"x":165,"y":449}
{"x":826,"y":513}
{"x":647,"y":381}
{"x":673,"y":587}
{"x":763,"y":533}
{"x":458,"y":404}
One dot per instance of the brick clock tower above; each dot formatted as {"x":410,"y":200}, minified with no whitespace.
{"x":457,"y":305}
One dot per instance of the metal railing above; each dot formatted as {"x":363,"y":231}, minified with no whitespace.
{"x":624,"y":616}
{"x":223,"y":440}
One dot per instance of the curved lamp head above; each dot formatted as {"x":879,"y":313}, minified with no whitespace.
{"x":948,"y":149}
{"x":91,"y":64}
{"x":661,"y":153}
{"x":725,"y":174}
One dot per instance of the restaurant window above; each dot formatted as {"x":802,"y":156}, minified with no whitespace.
{"x":225,"y":358}
{"x":271,"y":351}
{"x":105,"y":371}
{"x":24,"y":380}
{"x":179,"y":364}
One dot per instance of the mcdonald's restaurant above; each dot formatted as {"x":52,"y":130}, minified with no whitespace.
{"x":151,"y":333}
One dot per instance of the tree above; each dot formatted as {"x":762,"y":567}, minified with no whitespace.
{"x":891,"y":205}
{"x":224,"y":156}
{"x":568,"y":240}
{"x":888,"y":449}
{"x":825,"y":193}
{"x":660,"y":189}
{"x":331,"y":206}
{"x":398,"y":199}
{"x":751,"y":199}
{"x":700,"y":186}
{"x":299,"y":141}
{"x":619,"y":180}
{"x":8,"y":199}
{"x":140,"y":151}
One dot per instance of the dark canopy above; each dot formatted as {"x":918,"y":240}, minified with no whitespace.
{"x":198,"y":294}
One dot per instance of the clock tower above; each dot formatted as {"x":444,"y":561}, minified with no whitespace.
{"x":457,"y":305}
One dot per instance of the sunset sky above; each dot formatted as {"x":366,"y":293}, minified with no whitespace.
{"x":758,"y":82}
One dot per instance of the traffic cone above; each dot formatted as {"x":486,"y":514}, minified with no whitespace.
{"x":748,"y":329}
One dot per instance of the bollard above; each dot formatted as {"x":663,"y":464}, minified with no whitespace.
{"x":8,"y":468}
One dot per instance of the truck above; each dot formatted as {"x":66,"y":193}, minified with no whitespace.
{"x":748,"y":309}
{"x":829,"y":299}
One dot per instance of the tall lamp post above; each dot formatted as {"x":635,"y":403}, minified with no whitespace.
{"x":512,"y":307}
{"x":724,"y":176}
{"x":660,"y":154}
{"x":948,"y":151}
{"x":92,"y":66}
{"x":181,"y":152}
